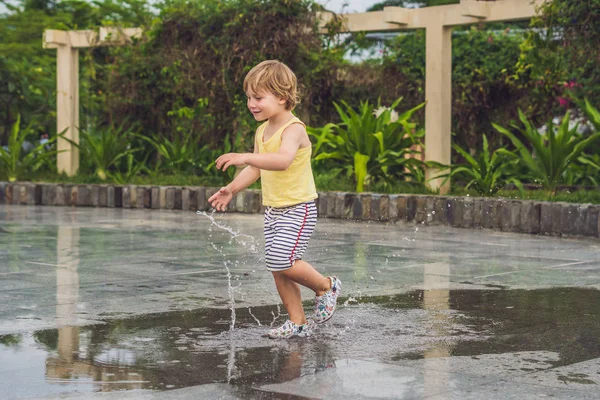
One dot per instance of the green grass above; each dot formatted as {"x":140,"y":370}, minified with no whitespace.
{"x":336,"y":181}
{"x":577,"y":196}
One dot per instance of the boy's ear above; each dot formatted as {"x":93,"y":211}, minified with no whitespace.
{"x":282,"y":101}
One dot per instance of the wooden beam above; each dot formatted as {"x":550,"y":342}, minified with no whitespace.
{"x":76,"y":39}
{"x":396,"y":15}
{"x":468,"y":12}
{"x":54,"y":38}
{"x":475,"y":8}
{"x":118,"y":36}
{"x":106,"y":36}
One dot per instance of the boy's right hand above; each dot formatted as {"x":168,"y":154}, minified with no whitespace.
{"x":220,"y":199}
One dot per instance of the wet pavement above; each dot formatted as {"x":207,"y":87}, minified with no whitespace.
{"x":136,"y":304}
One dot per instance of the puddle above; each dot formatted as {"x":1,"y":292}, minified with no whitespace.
{"x":181,"y":349}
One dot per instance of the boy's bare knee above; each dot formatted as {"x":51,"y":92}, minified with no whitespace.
{"x":279,"y":275}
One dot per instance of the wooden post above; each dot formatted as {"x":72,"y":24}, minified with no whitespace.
{"x":67,"y":45}
{"x":438,"y":92}
{"x":67,"y":108}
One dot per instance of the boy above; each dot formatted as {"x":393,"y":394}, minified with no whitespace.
{"x":281,"y":158}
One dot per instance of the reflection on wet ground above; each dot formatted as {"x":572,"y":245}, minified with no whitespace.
{"x":136,"y":306}
{"x":519,"y":332}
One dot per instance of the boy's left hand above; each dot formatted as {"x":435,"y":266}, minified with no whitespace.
{"x":229,"y":159}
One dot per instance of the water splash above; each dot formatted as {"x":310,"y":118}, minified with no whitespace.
{"x":229,"y":289}
{"x":245,"y":240}
{"x":249,"y":243}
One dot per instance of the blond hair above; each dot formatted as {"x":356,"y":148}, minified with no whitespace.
{"x":275,"y":77}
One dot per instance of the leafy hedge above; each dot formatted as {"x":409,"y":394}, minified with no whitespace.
{"x":186,"y":76}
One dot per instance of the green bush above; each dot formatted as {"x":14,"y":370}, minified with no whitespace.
{"x":102,"y":148}
{"x":562,"y":53}
{"x":487,"y":173}
{"x":371,"y":144}
{"x":485,"y":86}
{"x":201,"y":51}
{"x":548,"y":157}
{"x":16,"y":161}
{"x":28,"y":71}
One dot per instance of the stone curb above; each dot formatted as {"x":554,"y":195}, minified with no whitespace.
{"x":507,"y":215}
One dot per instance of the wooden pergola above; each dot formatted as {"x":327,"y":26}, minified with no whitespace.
{"x":438,"y":22}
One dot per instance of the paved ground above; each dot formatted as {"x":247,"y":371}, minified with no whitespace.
{"x":136,"y":304}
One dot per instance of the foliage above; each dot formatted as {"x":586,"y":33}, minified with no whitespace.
{"x":549,"y":156}
{"x":562,"y":52}
{"x":11,"y":340}
{"x":28,"y":71}
{"x":133,"y":169}
{"x":175,"y":155}
{"x":484,"y":87}
{"x":591,"y":112}
{"x":487,"y":173}
{"x":202,"y":50}
{"x":183,"y":154}
{"x":15,"y":160}
{"x":369,"y":143}
{"x":102,"y":148}
{"x":570,"y":196}
{"x":336,"y":180}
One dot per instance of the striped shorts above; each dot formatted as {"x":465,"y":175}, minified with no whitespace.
{"x":287,"y":232}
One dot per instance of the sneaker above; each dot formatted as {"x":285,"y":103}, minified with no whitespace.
{"x":290,"y":329}
{"x":325,"y":304}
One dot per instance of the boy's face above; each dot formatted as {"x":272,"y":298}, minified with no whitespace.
{"x":264,"y":105}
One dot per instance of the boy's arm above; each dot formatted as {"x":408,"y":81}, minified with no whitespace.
{"x":247,"y":177}
{"x":280,"y":161}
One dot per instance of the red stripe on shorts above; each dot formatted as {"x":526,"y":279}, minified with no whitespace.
{"x":299,"y":233}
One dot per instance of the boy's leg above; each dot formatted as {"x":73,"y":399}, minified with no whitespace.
{"x":304,"y":274}
{"x":290,"y":295}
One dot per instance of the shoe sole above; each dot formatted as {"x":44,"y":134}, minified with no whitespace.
{"x":325,"y":320}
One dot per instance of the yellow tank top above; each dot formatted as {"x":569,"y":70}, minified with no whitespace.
{"x":293,"y":186}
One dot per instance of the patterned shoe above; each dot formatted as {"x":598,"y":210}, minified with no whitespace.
{"x":288,"y":330}
{"x":325,"y":304}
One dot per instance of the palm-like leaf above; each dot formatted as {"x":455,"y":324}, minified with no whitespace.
{"x":103,"y":148}
{"x":15,"y":162}
{"x":548,"y":157}
{"x":372,"y":146}
{"x":486,"y":173}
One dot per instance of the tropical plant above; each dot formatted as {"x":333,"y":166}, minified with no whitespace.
{"x":585,"y":172}
{"x":102,"y":148}
{"x":549,"y":156}
{"x":486,"y":173}
{"x":206,"y":162}
{"x":591,"y":113}
{"x":176,"y":155}
{"x":133,"y":169}
{"x":15,"y":160}
{"x":370,"y":143}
